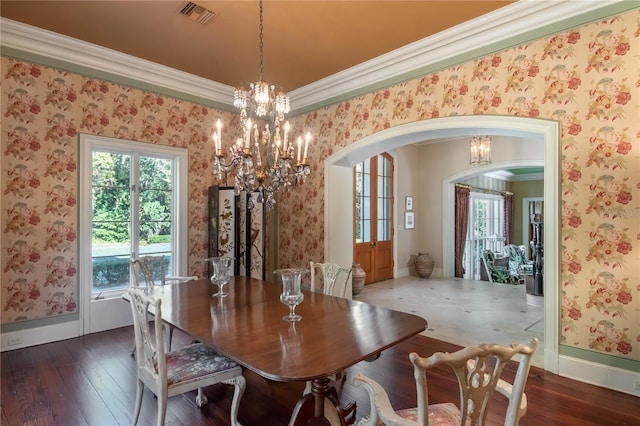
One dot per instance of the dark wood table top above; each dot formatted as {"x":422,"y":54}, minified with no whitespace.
{"x":247,"y":326}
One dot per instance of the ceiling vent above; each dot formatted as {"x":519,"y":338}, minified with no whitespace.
{"x":197,"y":13}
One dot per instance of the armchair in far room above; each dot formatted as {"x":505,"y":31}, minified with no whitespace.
{"x":519,"y":266}
{"x":495,"y":273}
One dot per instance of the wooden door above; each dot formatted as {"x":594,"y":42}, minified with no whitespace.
{"x":373,"y":212}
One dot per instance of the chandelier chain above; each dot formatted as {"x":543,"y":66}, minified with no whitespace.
{"x":261,"y":43}
{"x":266,"y":157}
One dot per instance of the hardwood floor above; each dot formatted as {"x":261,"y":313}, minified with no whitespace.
{"x":90,"y":381}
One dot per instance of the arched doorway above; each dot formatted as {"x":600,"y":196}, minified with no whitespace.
{"x":339,"y":197}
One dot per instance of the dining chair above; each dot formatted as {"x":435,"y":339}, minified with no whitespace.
{"x":334,"y":278}
{"x":166,"y":374}
{"x":152,"y":271}
{"x":334,"y":283}
{"x":478,"y":369}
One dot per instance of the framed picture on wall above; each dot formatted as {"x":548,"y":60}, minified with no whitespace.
{"x":408,"y":220}
{"x":408,"y":203}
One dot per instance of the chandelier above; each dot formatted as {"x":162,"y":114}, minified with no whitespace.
{"x":480,"y":151}
{"x":284,"y":164}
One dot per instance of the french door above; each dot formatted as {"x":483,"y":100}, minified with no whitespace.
{"x":373,"y":243}
{"x":133,"y":203}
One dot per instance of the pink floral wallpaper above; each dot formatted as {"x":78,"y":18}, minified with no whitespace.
{"x":588,"y":79}
{"x":43,"y":112}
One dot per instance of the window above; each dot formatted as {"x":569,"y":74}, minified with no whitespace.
{"x":132,"y":205}
{"x":484,"y":232}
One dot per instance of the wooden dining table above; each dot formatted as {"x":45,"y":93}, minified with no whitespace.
{"x":247,"y":326}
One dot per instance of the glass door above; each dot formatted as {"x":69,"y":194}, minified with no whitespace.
{"x":373,"y":242}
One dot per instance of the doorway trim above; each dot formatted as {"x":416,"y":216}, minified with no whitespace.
{"x":339,"y":197}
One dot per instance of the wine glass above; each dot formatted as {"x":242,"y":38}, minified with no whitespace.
{"x":221,"y":273}
{"x":291,"y":293}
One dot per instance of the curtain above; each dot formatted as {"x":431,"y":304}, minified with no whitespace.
{"x":507,"y":214}
{"x":461,"y":224}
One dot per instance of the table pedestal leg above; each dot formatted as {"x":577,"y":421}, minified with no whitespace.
{"x":310,"y":409}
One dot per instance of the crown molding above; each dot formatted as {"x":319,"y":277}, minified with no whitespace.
{"x":455,"y":45}
{"x":506,"y":27}
{"x":510,"y":177}
{"x":50,"y":48}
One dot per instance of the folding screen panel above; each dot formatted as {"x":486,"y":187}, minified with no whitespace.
{"x":236,"y":230}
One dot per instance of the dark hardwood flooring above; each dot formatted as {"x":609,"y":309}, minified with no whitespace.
{"x":90,"y":381}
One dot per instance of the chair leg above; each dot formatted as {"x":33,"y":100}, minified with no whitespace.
{"x":162,"y":406}
{"x":201,"y":398}
{"x":136,"y":410}
{"x":239,"y":384}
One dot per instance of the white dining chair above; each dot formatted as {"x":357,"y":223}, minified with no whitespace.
{"x":333,"y":281}
{"x":334,"y":278}
{"x":478,"y":369}
{"x":165,"y":373}
{"x":151,"y":270}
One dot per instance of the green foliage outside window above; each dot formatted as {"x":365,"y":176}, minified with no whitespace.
{"x":112,"y":197}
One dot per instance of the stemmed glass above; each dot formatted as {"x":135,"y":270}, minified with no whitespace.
{"x":221,"y":273}
{"x":291,"y":293}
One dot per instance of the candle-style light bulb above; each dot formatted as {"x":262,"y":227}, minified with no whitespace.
{"x":247,"y":134}
{"x":218,"y":129}
{"x":216,"y":143}
{"x":286,"y":140}
{"x":307,"y":139}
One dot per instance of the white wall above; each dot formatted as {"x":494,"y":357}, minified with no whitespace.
{"x":437,"y":161}
{"x":406,"y":162}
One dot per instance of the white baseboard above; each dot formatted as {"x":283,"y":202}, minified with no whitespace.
{"x":39,"y":335}
{"x":402,"y":272}
{"x":600,"y":375}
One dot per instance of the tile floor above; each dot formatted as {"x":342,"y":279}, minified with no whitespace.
{"x":464,"y":312}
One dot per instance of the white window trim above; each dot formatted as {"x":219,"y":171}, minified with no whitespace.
{"x":87,"y":143}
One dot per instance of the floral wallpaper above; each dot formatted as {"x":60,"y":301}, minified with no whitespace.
{"x":43,"y":111}
{"x":588,"y":79}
